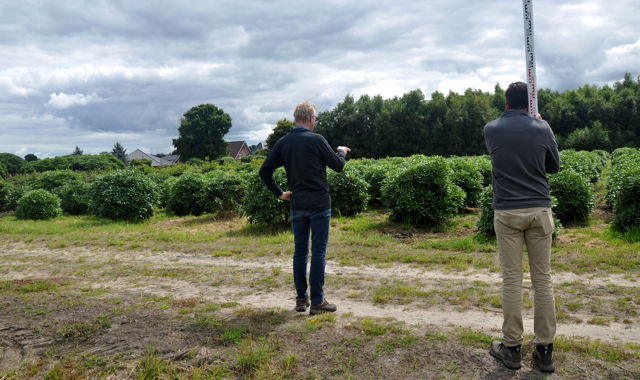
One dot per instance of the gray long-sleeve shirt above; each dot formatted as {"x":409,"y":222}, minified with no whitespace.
{"x":523,"y":149}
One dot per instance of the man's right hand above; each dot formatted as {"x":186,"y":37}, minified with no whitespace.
{"x":285,"y":196}
{"x":344,"y":149}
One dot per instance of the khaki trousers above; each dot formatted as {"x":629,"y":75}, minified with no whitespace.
{"x":514,"y":228}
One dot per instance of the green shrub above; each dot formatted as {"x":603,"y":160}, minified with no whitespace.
{"x":187,"y":195}
{"x":627,"y":203}
{"x":74,"y":162}
{"x":485,"y":223}
{"x":587,"y":164}
{"x":164,"y":191}
{"x":12,"y":194}
{"x":260,"y":205}
{"x":75,"y":198}
{"x":4,"y":191}
{"x":4,"y":173}
{"x":12,"y":162}
{"x":123,"y":195}
{"x":573,"y":194}
{"x":53,"y":180}
{"x":423,"y":193}
{"x":38,"y":204}
{"x":140,"y":162}
{"x":349,"y":194}
{"x":623,"y":161}
{"x":374,"y":172}
{"x":224,"y":192}
{"x":467,"y":175}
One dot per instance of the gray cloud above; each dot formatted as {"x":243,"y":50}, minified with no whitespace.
{"x":91,"y":73}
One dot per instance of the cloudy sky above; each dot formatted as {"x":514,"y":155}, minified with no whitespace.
{"x":90,"y":73}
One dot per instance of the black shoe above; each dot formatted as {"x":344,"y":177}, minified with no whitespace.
{"x":302,"y":304}
{"x":322,"y":308}
{"x":544,"y":357}
{"x":509,"y":356}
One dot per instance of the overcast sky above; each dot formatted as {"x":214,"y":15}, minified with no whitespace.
{"x":90,"y":73}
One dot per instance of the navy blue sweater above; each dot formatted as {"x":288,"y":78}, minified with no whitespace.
{"x":305,"y":156}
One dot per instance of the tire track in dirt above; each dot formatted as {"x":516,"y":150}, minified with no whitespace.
{"x":413,"y":315}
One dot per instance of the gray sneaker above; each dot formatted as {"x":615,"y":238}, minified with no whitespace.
{"x":509,"y":356}
{"x":543,"y":356}
{"x":302,"y":304}
{"x":322,"y":308}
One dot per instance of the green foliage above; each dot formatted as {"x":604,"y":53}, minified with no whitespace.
{"x":164,"y":190}
{"x":485,"y":223}
{"x":349,"y":192}
{"x":587,"y":164}
{"x":626,"y":208}
{"x":119,"y":152}
{"x":201,"y":133}
{"x":573,"y":194}
{"x":74,"y":162}
{"x":30,"y":157}
{"x":12,"y":162}
{"x":424,"y":193}
{"x":75,"y":198}
{"x":623,"y":161}
{"x":10,"y":194}
{"x":140,"y":162}
{"x":224,"y":192}
{"x":4,"y":173}
{"x":55,"y":179}
{"x":374,"y":172}
{"x":261,"y":206}
{"x":591,"y":138}
{"x":187,"y":195}
{"x":123,"y":195}
{"x":283,"y":127}
{"x":467,"y":175}
{"x":38,"y":204}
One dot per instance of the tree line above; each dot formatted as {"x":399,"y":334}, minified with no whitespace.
{"x":590,"y":117}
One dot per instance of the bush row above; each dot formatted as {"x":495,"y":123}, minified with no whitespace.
{"x":624,"y":188}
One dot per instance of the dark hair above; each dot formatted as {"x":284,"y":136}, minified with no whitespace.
{"x":517,"y":95}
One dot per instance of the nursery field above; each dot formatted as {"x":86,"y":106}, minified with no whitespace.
{"x":204,"y":297}
{"x":185,"y":272}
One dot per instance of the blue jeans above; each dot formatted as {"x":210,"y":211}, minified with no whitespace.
{"x":316,"y":222}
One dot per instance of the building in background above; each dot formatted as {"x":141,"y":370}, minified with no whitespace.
{"x":155,"y":160}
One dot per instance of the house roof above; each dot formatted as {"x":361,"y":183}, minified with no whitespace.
{"x":155,"y":161}
{"x":235,"y":148}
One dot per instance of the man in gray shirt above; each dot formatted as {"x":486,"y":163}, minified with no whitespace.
{"x":523,"y":150}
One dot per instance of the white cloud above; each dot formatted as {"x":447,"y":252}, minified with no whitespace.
{"x":62,"y":100}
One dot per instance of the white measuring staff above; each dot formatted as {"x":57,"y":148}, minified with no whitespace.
{"x":532,"y":88}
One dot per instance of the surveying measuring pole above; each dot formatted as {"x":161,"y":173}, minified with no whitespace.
{"x":530,"y":56}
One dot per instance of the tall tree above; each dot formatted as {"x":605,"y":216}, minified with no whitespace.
{"x":120,"y":152}
{"x":283,"y":127}
{"x":201,"y":133}
{"x":77,"y":152}
{"x":30,"y":157}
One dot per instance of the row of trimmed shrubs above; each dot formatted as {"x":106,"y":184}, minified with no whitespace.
{"x":571,"y":189}
{"x":623,"y":188}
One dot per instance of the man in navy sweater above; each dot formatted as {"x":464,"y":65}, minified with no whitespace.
{"x":305,"y":156}
{"x":523,"y":150}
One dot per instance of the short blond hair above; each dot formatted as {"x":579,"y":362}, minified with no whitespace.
{"x":304,"y":111}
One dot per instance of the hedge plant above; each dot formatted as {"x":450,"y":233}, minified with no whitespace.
{"x":260,"y":206}
{"x":38,"y":205}
{"x":75,"y":198}
{"x":424,"y":193}
{"x":186,"y":196}
{"x":4,"y":173}
{"x":54,"y":180}
{"x":626,"y":208}
{"x":224,"y":192}
{"x":123,"y":195}
{"x":349,"y":192}
{"x":467,"y":175}
{"x":573,"y":194}
{"x":485,"y":223}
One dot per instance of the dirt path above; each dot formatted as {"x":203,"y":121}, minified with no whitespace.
{"x":414,"y":315}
